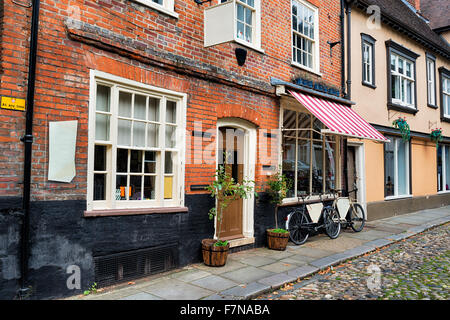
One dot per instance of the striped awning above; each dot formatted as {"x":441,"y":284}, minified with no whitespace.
{"x":338,"y":118}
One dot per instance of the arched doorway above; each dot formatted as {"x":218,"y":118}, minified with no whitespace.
{"x":237,"y":139}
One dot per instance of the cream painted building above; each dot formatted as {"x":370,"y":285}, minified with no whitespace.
{"x":397,"y":66}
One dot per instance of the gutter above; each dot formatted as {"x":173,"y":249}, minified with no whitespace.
{"x":27,"y":139}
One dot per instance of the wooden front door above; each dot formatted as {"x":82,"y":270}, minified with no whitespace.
{"x":232,"y":216}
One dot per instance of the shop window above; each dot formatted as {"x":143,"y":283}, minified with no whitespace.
{"x":396,"y":168}
{"x":137,"y":144}
{"x":305,"y":26}
{"x":443,"y":167}
{"x":309,"y":158}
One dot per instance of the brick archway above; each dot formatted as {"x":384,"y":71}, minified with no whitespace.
{"x":239,"y":111}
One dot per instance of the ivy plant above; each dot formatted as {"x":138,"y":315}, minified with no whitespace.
{"x":436,"y":136}
{"x":403,"y":126}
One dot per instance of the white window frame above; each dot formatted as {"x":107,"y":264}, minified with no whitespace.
{"x":256,"y":24}
{"x":431,"y":81}
{"x":444,"y":170}
{"x":445,"y":95}
{"x":168,"y":6}
{"x":408,"y":178}
{"x":403,"y":78}
{"x":116,"y":83}
{"x":368,"y":63}
{"x":315,"y":42}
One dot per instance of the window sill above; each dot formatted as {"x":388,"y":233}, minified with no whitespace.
{"x":295,"y":64}
{"x":131,"y":212}
{"x":158,"y":7}
{"x":398,"y":197}
{"x":401,"y":108}
{"x":445,"y":119}
{"x":249,"y":45}
{"x":444,"y":192}
{"x":368,"y":85}
{"x":432,"y":106}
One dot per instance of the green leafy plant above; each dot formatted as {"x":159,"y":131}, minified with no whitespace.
{"x":92,"y":289}
{"x":403,"y":126}
{"x":226,"y":190}
{"x":278,"y":186}
{"x":436,"y":136}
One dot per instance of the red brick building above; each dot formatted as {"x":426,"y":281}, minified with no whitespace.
{"x":132,"y":73}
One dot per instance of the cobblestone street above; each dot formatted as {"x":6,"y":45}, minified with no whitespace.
{"x":415,"y":268}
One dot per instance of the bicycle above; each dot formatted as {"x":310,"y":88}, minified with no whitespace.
{"x":311,"y":218}
{"x":355,"y":216}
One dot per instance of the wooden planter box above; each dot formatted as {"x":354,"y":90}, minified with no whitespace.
{"x":277,"y":241}
{"x":214,"y":256}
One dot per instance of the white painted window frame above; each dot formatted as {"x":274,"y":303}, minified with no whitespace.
{"x":256,"y":24}
{"x":98,"y":77}
{"x":404,"y":78}
{"x":315,"y":42}
{"x":168,"y":6}
{"x":368,"y":63}
{"x":445,"y":95}
{"x":408,"y":178}
{"x":431,"y":81}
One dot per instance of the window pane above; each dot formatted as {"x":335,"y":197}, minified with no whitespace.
{"x":330,"y":166}
{"x":395,"y":87}
{"x":135,"y":188}
{"x":140,"y":106}
{"x":304,"y":122}
{"x":402,"y":158}
{"x":317,"y":167}
{"x":100,"y":158}
{"x":400,"y":65}
{"x":389,"y":178}
{"x":294,"y":23}
{"x":409,"y":92}
{"x":124,"y":132}
{"x":99,"y":186}
{"x":122,"y":160}
{"x":149,"y":188}
{"x":240,"y":12}
{"x":153,"y":109}
{"x":125,"y":104}
{"x":408,"y":69}
{"x":248,"y":16}
{"x":240,"y":30}
{"x":101,"y":127}
{"x":248,"y":34}
{"x":136,"y":161}
{"x":158,"y":1}
{"x":393,"y":63}
{"x":303,"y":166}
{"x":121,"y":187}
{"x":288,"y":166}
{"x":171,"y":112}
{"x":440,"y":171}
{"x":317,"y":126}
{"x":251,"y":3}
{"x":168,"y":187}
{"x":447,"y":167}
{"x":150,"y":162}
{"x":170,"y":136}
{"x":139,"y":134}
{"x":103,"y":96}
{"x":168,"y":163}
{"x":152,"y":135}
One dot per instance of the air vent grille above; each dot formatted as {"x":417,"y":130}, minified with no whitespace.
{"x":124,"y":266}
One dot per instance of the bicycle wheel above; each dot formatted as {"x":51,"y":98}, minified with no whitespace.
{"x":332,"y":222}
{"x":356,"y":217}
{"x":296,"y":227}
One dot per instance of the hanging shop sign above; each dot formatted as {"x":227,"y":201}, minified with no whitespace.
{"x":13,"y":103}
{"x":317,"y":86}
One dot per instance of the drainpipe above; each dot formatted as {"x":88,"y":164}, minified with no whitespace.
{"x":342,"y":31}
{"x":27,"y":139}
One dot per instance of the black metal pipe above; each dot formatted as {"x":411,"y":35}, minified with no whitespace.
{"x":27,"y":139}
{"x":342,"y":31}
{"x":349,"y":51}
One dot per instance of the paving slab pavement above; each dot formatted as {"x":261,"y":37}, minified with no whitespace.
{"x":252,"y":272}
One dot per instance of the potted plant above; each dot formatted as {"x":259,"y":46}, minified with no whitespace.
{"x":403,"y":126}
{"x":436,"y":136}
{"x":225,"y":190}
{"x":278,"y":186}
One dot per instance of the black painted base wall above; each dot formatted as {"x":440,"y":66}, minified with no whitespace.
{"x":61,"y":236}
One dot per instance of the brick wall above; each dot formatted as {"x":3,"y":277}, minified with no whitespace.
{"x":130,"y":40}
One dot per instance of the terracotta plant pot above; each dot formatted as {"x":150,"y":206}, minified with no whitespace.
{"x":277,"y":240}
{"x":214,"y":256}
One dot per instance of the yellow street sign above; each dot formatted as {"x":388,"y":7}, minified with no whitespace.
{"x":13,"y":103}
